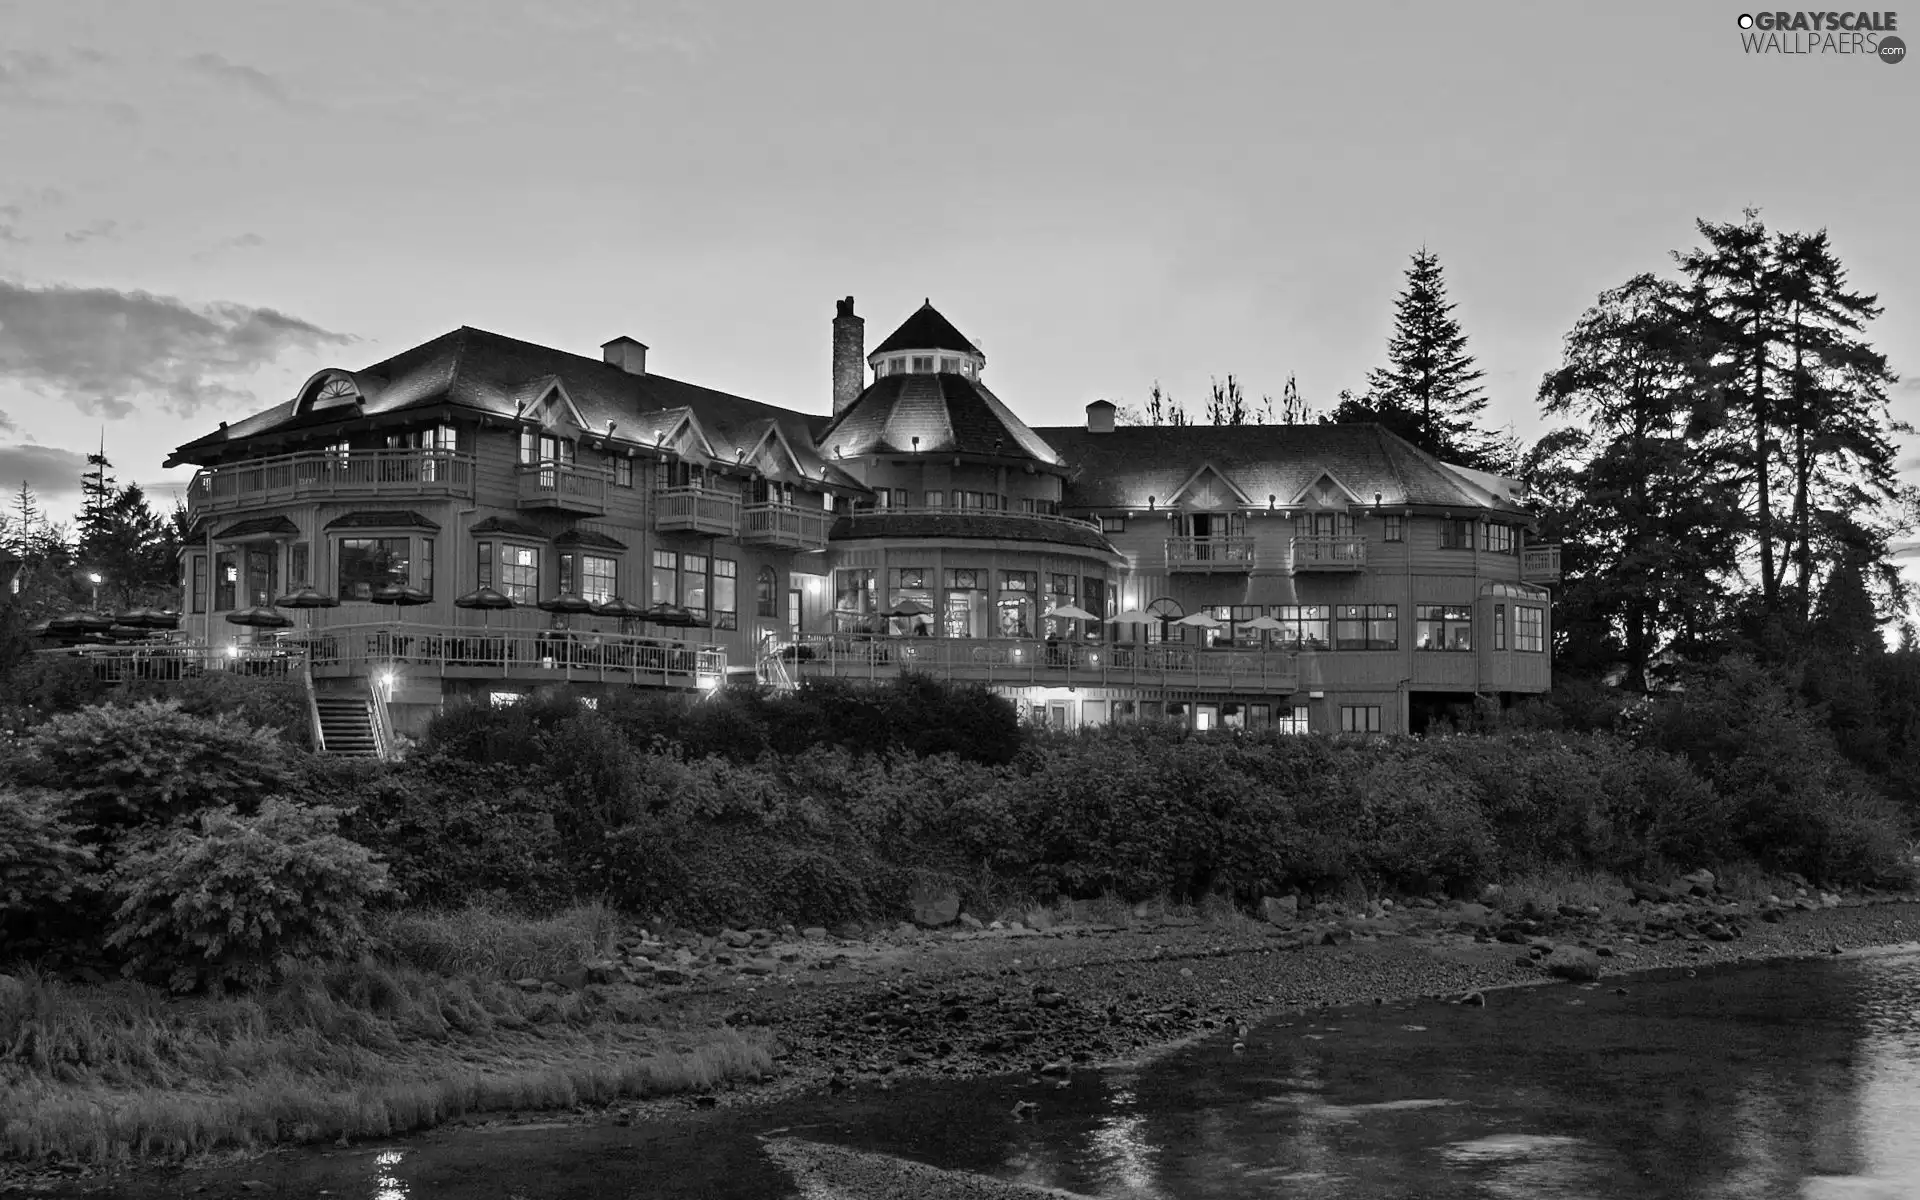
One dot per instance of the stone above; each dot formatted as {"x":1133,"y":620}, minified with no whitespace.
{"x":1699,"y":883}
{"x":935,"y":905}
{"x":1280,"y":910}
{"x":1490,"y":895}
{"x":1336,"y":937}
{"x":739,"y":939}
{"x":672,"y":976}
{"x":970,"y":921}
{"x":1580,"y":966}
{"x":814,"y":933}
{"x":528,"y":984}
{"x":1473,"y":912}
{"x":1474,"y":1000}
{"x":1651,"y":893}
{"x":602,"y":970}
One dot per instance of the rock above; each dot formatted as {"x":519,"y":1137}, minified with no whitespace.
{"x":528,"y":984}
{"x":758,"y":967}
{"x":672,"y":976}
{"x":1829,"y":900}
{"x":739,"y":939}
{"x":1336,"y":937}
{"x":1651,"y":893}
{"x":1280,"y":910}
{"x":1473,"y":1000}
{"x":1699,"y":883}
{"x":970,"y":921}
{"x":11,"y":988}
{"x":602,"y":970}
{"x":1580,"y":966}
{"x":1491,"y":895}
{"x":1473,"y":912}
{"x":814,"y":933}
{"x":935,"y":905}
{"x":1049,"y":1000}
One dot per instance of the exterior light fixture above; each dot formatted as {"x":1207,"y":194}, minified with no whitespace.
{"x":1149,"y":503}
{"x":1376,"y":499}
{"x":916,"y":445}
{"x":1271,"y":500}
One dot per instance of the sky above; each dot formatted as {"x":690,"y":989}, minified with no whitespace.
{"x":202,"y":202}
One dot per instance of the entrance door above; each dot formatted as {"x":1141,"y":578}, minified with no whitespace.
{"x":1060,"y":714}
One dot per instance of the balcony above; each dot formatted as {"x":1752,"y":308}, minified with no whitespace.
{"x":327,"y":474}
{"x":1328,"y":553}
{"x":785,"y":526}
{"x":696,"y":510}
{"x":1021,"y":661}
{"x":1210,"y":555}
{"x":991,"y":524}
{"x":1540,"y":564}
{"x":563,"y":487}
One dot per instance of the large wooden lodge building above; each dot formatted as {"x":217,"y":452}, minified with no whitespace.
{"x":921,"y":525}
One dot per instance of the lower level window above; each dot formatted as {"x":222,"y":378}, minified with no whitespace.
{"x":594,"y":577}
{"x":1529,"y":628}
{"x":1294,"y":719}
{"x":515,"y":573}
{"x":1358,"y":718}
{"x":369,"y":563}
{"x":1442,"y":627}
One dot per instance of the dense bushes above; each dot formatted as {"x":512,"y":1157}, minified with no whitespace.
{"x":231,"y":898}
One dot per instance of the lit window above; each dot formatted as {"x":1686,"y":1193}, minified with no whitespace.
{"x":1367,"y":627}
{"x":597,"y":578}
{"x":1396,"y":529}
{"x":519,"y":573}
{"x":1292,"y":720}
{"x":623,"y":471}
{"x":726,"y":594}
{"x":1442,"y":627}
{"x":1499,"y":627}
{"x":368,"y":563}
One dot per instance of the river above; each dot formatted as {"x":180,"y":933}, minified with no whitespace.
{"x":1793,"y":1080}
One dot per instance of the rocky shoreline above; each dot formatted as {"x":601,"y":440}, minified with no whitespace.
{"x":873,"y":1012}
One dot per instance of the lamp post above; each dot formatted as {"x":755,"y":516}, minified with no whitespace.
{"x":93,"y":577}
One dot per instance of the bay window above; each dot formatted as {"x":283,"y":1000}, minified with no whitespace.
{"x":1442,"y":627}
{"x":369,"y":563}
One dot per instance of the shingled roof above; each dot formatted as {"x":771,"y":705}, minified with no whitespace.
{"x":476,"y":371}
{"x":926,"y":329}
{"x":950,"y":414}
{"x":1122,"y":469}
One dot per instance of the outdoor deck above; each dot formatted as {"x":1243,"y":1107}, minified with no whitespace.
{"x":1030,"y":661}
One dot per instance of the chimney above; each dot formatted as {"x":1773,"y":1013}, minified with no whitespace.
{"x":623,"y":352}
{"x":1100,"y":416}
{"x":849,"y":356}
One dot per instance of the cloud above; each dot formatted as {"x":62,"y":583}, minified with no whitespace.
{"x":50,"y":471}
{"x":245,"y":241}
{"x":99,"y":229}
{"x":24,"y":74}
{"x":106,"y":351}
{"x":252,"y":79}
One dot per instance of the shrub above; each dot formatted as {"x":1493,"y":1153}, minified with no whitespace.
{"x":235,"y":899}
{"x":152,"y":762}
{"x":251,"y":700}
{"x":40,"y":860}
{"x":493,"y":944}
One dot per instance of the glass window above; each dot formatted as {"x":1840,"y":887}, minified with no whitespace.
{"x":856,"y":594}
{"x":1107,"y":524}
{"x":908,"y":577}
{"x":1359,"y":718}
{"x":426,"y":566}
{"x":726,"y":594}
{"x":299,"y":565}
{"x":1367,"y":627}
{"x":1497,"y":539}
{"x":1456,"y":534}
{"x":1499,"y":627}
{"x":483,"y":564}
{"x":529,"y":445}
{"x":1529,"y":628}
{"x":1018,"y":581}
{"x":936,"y":499}
{"x":793,"y":609}
{"x":693,"y":583}
{"x":263,"y":575}
{"x":950,"y":365}
{"x":622,"y":471}
{"x":923,"y":362}
{"x":1442,"y":627}
{"x":1095,"y":602}
{"x":1396,"y":529}
{"x":368,"y":563}
{"x":1308,"y":626}
{"x":964,"y":577}
{"x":597,"y":578}
{"x":766,"y":589}
{"x":1292,"y":719}
{"x":226,"y":580}
{"x":663,"y":585}
{"x":519,"y":573}
{"x":199,"y":583}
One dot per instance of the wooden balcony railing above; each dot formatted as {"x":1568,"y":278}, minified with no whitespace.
{"x":696,"y":510}
{"x":786,"y":525}
{"x":1540,"y":564}
{"x":1029,"y":661}
{"x":323,"y":474}
{"x":564,"y":487}
{"x":1328,"y":552}
{"x":1210,"y":555}
{"x":163,"y":662}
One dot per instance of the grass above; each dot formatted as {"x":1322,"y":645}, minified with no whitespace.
{"x":108,"y":1074}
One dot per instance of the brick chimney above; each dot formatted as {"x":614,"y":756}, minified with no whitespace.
{"x":849,"y":356}
{"x":623,"y":352}
{"x":1100,"y":416}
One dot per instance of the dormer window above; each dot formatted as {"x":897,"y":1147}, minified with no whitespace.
{"x":336,"y":391}
{"x":923,"y":363}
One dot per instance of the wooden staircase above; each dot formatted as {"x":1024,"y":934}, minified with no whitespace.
{"x":346,"y":722}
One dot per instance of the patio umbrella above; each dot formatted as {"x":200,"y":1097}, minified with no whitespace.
{"x":910,"y":608}
{"x":399,"y":595}
{"x":623,"y":611}
{"x":260,"y":617}
{"x":670,"y":615}
{"x":1202,"y":619}
{"x":308,"y":598}
{"x":81,"y":622}
{"x":144,"y":618}
{"x":566,"y":604}
{"x":1071,"y":612}
{"x":1134,"y":616}
{"x":1264,"y":624}
{"x":487,"y":600}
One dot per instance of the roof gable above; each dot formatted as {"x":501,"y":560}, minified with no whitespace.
{"x":1209,"y":487}
{"x":1325,"y":491}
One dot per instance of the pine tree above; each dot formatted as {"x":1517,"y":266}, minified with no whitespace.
{"x":1430,"y":383}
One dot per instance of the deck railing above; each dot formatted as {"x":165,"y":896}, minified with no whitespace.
{"x":173,"y":661}
{"x":557,"y":655}
{"x":561,"y":485}
{"x":785,"y":525}
{"x":860,"y":515}
{"x":693,"y":509}
{"x":1209,"y":554}
{"x":1329,"y":552}
{"x":1540,"y":564}
{"x":1033,"y":661}
{"x":327,"y":473}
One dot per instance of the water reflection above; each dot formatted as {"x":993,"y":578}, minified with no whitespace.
{"x":1795,"y":1081}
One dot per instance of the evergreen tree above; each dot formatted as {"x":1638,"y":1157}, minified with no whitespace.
{"x":1647,"y":541}
{"x":1430,"y":386}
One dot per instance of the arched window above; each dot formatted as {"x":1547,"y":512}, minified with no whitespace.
{"x":766,"y":592}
